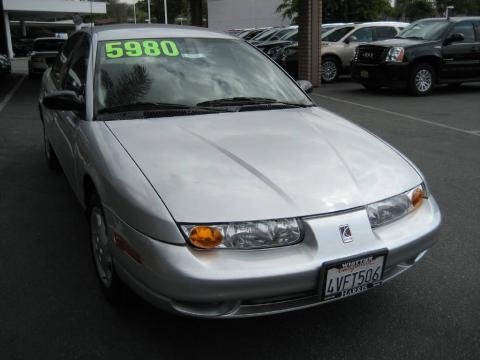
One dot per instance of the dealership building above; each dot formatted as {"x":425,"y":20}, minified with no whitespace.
{"x":235,"y":14}
{"x":57,"y":15}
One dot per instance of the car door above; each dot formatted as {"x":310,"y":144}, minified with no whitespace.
{"x":74,"y":80}
{"x":459,"y":58}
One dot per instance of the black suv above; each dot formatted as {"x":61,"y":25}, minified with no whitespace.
{"x":428,"y":52}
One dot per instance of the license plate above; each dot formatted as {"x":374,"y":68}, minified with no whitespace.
{"x":353,"y":276}
{"x":364,"y":74}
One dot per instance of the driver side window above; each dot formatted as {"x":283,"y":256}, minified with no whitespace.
{"x":467,"y":29}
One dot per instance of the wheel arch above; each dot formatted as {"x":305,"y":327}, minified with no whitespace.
{"x":432,"y":60}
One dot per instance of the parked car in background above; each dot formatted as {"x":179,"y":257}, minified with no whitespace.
{"x":249,"y":34}
{"x":428,"y":52}
{"x":273,"y":35}
{"x":5,"y":66}
{"x":43,"y":54}
{"x":338,"y":46}
{"x":22,"y":47}
{"x":273,"y":46}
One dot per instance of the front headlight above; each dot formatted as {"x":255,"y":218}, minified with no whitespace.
{"x":395,"y":54}
{"x":391,"y":209}
{"x":244,"y":235}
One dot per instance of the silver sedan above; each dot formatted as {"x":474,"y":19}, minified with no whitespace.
{"x":213,"y":186}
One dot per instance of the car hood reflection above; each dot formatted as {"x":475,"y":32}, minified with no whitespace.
{"x":262,"y":164}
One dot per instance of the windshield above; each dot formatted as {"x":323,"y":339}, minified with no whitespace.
{"x":187,"y":72}
{"x":425,"y":30}
{"x":337,"y":34}
{"x":289,"y":35}
{"x":48,"y":45}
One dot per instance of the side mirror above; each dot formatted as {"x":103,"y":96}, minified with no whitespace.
{"x":305,"y":85}
{"x":64,"y":100}
{"x":351,"y":39}
{"x":456,"y":37}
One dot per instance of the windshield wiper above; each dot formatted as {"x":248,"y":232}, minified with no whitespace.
{"x":155,"y":106}
{"x":245,"y":101}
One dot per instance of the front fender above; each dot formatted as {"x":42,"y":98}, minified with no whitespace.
{"x":122,"y":187}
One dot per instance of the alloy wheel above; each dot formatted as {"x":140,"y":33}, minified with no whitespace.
{"x":329,"y":70}
{"x":423,"y":80}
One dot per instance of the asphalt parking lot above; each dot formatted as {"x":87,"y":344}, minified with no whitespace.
{"x":51,"y":306}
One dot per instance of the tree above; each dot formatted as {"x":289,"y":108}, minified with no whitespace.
{"x":462,"y":7}
{"x":289,"y":9}
{"x":411,"y":10}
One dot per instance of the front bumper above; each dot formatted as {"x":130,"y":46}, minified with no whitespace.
{"x":384,"y":74}
{"x":240,"y":283}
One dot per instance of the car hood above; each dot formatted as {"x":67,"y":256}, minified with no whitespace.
{"x":262,"y":164}
{"x":401,"y":42}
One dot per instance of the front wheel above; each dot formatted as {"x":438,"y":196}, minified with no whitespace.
{"x":422,"y":80}
{"x":330,"y":70}
{"x":111,"y":284}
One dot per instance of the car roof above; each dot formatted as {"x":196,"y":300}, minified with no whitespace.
{"x":382,"y":23}
{"x":138,"y":31}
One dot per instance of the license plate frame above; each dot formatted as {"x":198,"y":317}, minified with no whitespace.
{"x":354,"y":290}
{"x":364,"y":74}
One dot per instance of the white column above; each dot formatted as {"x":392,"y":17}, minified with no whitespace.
{"x":8,"y":34}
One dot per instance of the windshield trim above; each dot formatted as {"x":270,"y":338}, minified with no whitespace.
{"x":97,"y":58}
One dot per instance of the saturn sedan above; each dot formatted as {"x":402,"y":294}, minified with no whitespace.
{"x":214,"y":186}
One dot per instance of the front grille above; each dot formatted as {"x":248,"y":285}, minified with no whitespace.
{"x":370,"y":54}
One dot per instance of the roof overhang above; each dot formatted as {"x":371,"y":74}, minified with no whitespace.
{"x":54,"y":7}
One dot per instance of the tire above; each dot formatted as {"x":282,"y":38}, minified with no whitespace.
{"x":330,"y":70}
{"x":50,"y":156}
{"x":371,"y":87}
{"x":112,"y":286}
{"x":422,"y":80}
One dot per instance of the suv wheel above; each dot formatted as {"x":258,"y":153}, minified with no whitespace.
{"x":422,"y":80}
{"x":330,"y":70}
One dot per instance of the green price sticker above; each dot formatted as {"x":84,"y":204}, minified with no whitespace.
{"x":137,"y":48}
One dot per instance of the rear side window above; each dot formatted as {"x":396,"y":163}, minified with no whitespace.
{"x":337,"y":34}
{"x":385,"y":32}
{"x":466,"y":28}
{"x":364,"y":34}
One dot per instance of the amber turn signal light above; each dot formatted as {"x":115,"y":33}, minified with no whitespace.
{"x":205,"y":237}
{"x":417,"y":197}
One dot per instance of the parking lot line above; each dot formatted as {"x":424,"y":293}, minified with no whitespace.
{"x":410,"y":117}
{"x":11,"y":93}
